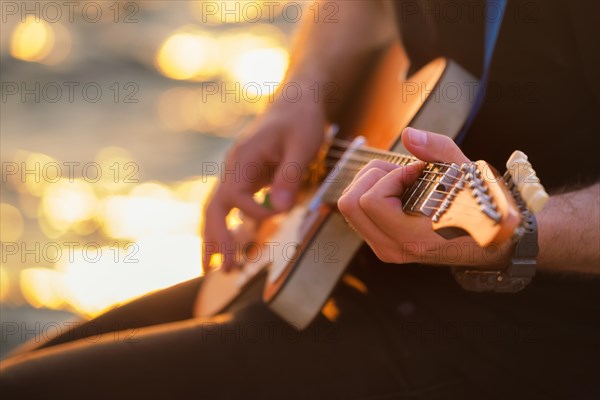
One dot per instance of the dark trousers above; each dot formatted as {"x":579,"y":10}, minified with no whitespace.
{"x":414,"y":334}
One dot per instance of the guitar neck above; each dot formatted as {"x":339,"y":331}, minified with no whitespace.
{"x":418,"y":199}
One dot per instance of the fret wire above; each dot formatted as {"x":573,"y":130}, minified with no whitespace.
{"x":333,"y":199}
{"x":362,"y":155}
{"x":346,"y":171}
{"x":388,"y":153}
{"x":401,"y":158}
{"x":432,"y":187}
{"x":365,"y":160}
{"x":345,"y":178}
{"x":471,"y":210}
{"x":410,"y":203}
{"x":418,"y":204}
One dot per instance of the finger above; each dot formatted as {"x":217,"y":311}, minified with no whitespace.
{"x":288,"y":177}
{"x":379,"y":164}
{"x":246,"y":203}
{"x":349,"y":206}
{"x":238,"y":191}
{"x":428,"y":146}
{"x":215,"y":235}
{"x":382,"y":201}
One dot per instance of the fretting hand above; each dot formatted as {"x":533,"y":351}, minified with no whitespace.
{"x":371,"y":204}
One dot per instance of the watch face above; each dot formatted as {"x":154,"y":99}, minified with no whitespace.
{"x":490,"y":281}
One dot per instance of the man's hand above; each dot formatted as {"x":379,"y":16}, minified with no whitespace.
{"x":280,"y":144}
{"x":289,"y":134}
{"x":371,"y":204}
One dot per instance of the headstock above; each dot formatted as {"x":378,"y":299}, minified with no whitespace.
{"x":489,"y":207}
{"x":479,"y":204}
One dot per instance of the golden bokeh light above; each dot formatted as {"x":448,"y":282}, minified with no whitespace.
{"x":195,"y":190}
{"x":150,"y":209}
{"x":35,"y":172}
{"x":42,"y":287}
{"x":147,"y":232}
{"x":155,"y":242}
{"x":67,"y":203}
{"x":62,"y":47}
{"x":28,"y":205}
{"x":4,"y":284}
{"x":120,"y":273}
{"x":237,"y":41}
{"x":32,"y":40}
{"x":11,"y":223}
{"x":152,"y":189}
{"x":119,"y":170}
{"x":331,"y":310}
{"x":258,"y":69}
{"x":188,"y":55}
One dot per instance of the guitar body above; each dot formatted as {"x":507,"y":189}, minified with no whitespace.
{"x":296,"y":289}
{"x":313,"y":245}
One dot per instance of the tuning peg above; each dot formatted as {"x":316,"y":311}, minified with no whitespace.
{"x":516,"y":156}
{"x":534,"y":195}
{"x":526,"y":181}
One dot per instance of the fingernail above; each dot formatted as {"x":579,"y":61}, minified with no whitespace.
{"x":417,"y":137}
{"x":281,"y":200}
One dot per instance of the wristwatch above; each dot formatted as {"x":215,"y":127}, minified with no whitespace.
{"x":516,"y":276}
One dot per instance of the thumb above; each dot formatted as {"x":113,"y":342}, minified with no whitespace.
{"x":287,"y":179}
{"x":428,"y":146}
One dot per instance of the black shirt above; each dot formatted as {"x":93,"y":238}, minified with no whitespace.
{"x":544,"y":92}
{"x":543,"y":342}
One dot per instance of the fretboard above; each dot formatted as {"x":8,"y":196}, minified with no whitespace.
{"x":353,"y":160}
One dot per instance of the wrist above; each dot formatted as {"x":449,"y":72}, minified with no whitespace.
{"x":513,"y":276}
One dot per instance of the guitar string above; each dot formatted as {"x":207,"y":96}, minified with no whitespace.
{"x":400,"y":159}
{"x":393,"y":159}
{"x":366,"y":149}
{"x":364,"y":161}
{"x":345,"y":170}
{"x":421,"y":179}
{"x":424,"y":205}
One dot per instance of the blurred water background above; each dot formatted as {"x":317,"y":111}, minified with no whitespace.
{"x":114,"y":115}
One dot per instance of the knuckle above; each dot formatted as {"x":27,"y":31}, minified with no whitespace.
{"x":367,"y":201}
{"x":375,"y":164}
{"x":342,"y":204}
{"x":374,"y":172}
{"x":346,"y":204}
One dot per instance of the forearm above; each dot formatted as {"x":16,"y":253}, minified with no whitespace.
{"x":333,"y":51}
{"x":569,"y":232}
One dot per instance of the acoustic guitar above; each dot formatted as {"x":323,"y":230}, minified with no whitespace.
{"x":297,"y":258}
